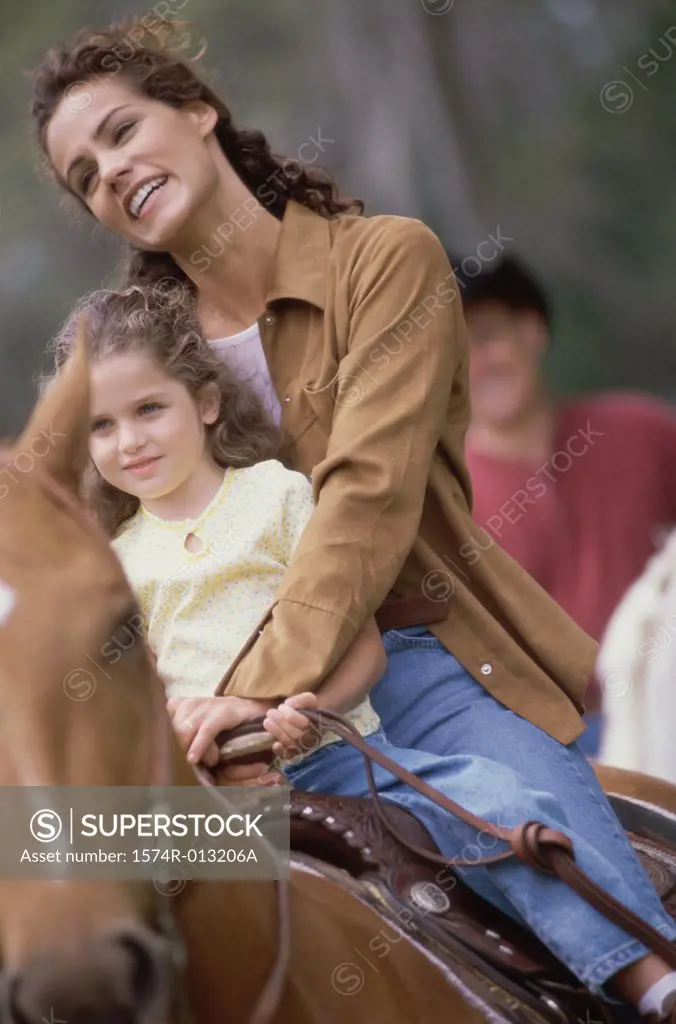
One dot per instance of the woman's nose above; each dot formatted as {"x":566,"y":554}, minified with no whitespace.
{"x":115,"y":170}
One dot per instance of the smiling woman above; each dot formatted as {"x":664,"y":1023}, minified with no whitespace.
{"x":149,"y":147}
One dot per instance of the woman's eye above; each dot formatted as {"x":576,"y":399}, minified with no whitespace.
{"x":122,"y":129}
{"x":85,"y":182}
{"x":150,"y":407}
{"x":100,"y":424}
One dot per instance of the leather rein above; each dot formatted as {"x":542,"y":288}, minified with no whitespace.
{"x":543,"y":849}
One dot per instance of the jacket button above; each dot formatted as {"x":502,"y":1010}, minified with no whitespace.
{"x":486,"y":669}
{"x":287,"y":399}
{"x":269,"y":320}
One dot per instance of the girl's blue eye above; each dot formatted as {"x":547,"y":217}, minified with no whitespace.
{"x":150,"y":407}
{"x":99,"y":424}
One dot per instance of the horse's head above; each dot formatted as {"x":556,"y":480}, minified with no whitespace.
{"x":80,"y":704}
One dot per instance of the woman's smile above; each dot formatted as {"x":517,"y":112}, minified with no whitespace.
{"x":142,"y":199}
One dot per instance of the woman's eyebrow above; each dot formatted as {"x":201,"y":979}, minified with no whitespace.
{"x":96,"y":134}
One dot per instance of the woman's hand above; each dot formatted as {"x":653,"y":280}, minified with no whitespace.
{"x":295,"y":734}
{"x":197,"y":722}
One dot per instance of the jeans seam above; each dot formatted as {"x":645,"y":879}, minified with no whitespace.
{"x":628,"y":856}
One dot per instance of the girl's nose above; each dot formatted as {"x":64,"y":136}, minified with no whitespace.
{"x":129,"y":438}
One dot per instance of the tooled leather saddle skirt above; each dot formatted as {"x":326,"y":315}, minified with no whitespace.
{"x":508,"y":971}
{"x":505,"y":966}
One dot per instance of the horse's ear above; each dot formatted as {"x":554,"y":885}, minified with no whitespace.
{"x":57,"y":435}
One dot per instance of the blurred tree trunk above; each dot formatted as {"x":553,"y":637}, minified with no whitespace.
{"x":404,"y":140}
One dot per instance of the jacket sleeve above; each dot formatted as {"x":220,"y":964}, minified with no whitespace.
{"x":392,"y":390}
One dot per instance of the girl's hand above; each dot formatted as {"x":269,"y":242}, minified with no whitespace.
{"x":197,"y":722}
{"x":295,"y":734}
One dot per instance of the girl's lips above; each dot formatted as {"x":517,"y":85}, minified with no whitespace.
{"x":141,"y":468}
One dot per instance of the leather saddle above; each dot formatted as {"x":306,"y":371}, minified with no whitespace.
{"x":502,"y":963}
{"x":456,"y":925}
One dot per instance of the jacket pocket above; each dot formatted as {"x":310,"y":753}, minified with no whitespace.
{"x":322,"y":400}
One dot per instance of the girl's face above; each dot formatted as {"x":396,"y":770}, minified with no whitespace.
{"x":148,"y":436}
{"x":142,"y":168}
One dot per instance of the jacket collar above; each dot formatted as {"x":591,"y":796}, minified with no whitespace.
{"x":300,"y":267}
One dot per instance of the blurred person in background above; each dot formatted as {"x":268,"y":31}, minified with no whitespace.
{"x":577,"y":490}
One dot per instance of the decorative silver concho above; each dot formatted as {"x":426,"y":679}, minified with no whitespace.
{"x":430,"y":897}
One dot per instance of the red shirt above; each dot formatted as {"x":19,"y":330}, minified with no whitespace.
{"x":586,"y":521}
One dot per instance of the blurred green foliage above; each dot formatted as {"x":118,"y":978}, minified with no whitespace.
{"x":497,"y":113}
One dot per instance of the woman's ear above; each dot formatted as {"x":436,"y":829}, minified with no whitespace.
{"x":203,"y":115}
{"x":209,"y":402}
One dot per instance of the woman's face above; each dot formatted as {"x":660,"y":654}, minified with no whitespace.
{"x":142,"y":168}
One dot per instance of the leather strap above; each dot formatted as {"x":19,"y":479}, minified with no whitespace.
{"x":270,"y":998}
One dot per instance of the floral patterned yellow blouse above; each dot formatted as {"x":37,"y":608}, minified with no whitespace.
{"x":200,"y":608}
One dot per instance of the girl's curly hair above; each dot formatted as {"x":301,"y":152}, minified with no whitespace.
{"x":161,"y":322}
{"x":145,"y":57}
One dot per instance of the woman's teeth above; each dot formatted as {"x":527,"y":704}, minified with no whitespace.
{"x":142,"y":193}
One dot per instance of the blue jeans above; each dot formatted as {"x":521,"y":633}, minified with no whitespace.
{"x":590,"y":740}
{"x":443,"y":726}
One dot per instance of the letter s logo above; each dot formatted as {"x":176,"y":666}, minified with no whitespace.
{"x":46,"y":826}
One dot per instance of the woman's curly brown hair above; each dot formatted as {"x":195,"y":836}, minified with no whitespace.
{"x":146,"y":58}
{"x":161,"y":322}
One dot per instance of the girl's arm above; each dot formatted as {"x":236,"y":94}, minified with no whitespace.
{"x":346,"y":687}
{"x":357,"y":672}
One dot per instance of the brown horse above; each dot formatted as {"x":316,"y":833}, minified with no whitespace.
{"x":106,"y":952}
{"x":637,"y":786}
{"x":95,"y":952}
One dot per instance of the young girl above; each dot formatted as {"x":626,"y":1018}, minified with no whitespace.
{"x":205,"y":530}
{"x":204,"y":520}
